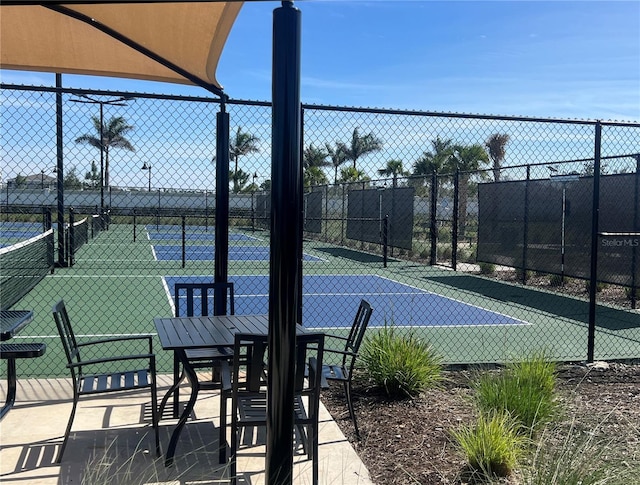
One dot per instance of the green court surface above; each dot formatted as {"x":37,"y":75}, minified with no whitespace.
{"x":117,"y":287}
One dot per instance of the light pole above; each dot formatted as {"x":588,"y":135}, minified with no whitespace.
{"x":147,"y":167}
{"x":111,"y":102}
{"x":42,"y":172}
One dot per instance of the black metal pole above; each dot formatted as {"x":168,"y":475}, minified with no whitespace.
{"x":59,"y":172}
{"x":385,"y":240}
{"x":454,"y":232}
{"x":286,"y":240}
{"x":434,"y":221}
{"x":184,"y":241}
{"x":636,"y":228}
{"x":102,"y":177}
{"x":221,"y":226}
{"x":595,"y":214}
{"x":525,"y":235}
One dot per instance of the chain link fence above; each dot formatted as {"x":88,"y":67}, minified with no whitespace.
{"x":477,"y":233}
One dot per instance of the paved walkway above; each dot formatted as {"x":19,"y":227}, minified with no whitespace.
{"x":112,"y":443}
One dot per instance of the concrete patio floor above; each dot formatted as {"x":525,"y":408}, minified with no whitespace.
{"x":112,"y":442}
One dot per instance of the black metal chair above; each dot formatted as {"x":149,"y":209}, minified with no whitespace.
{"x":198,"y":296}
{"x":86,"y":382}
{"x":343,"y":372}
{"x":246,"y":383}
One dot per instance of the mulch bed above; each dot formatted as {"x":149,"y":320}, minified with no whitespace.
{"x":409,"y":441}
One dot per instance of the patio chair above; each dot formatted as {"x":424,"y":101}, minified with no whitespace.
{"x":198,"y":296}
{"x":247,"y":384}
{"x":88,"y":382}
{"x":343,"y":372}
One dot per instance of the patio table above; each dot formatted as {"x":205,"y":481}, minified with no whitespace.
{"x":11,"y":322}
{"x":181,"y":333}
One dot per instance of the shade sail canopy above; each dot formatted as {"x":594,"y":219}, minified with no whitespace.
{"x":177,"y":42}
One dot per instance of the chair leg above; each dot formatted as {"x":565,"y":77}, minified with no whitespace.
{"x":68,"y":430}
{"x":347,"y":391}
{"x":173,"y":389}
{"x":222,"y":438}
{"x":154,"y":416}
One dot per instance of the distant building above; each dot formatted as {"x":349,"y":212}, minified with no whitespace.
{"x":36,"y":181}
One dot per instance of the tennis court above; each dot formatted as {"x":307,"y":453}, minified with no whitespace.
{"x":342,"y":293}
{"x":206,"y":252}
{"x":12,"y":232}
{"x":169,"y":232}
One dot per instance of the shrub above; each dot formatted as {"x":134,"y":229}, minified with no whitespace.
{"x":555,"y":280}
{"x":573,"y":457}
{"x":487,"y":268}
{"x":525,"y":390}
{"x":599,"y":286}
{"x":401,"y":364}
{"x":492,"y":446}
{"x":522,"y":273}
{"x":628,"y":292}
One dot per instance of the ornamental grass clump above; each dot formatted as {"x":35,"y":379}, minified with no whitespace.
{"x":492,"y":446}
{"x":400,"y":363}
{"x":525,"y":390}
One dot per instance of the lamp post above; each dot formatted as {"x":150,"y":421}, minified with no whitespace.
{"x":147,"y":167}
{"x":42,"y":172}
{"x":120,"y":101}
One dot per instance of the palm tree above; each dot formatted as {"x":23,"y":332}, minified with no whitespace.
{"x":314,"y":157}
{"x":338,"y":157}
{"x":314,"y":176}
{"x":360,"y":145}
{"x":243,"y":144}
{"x":113,"y":136}
{"x":350,"y":174}
{"x":437,"y":160}
{"x":393,"y":168}
{"x":468,"y":159}
{"x":496,"y":145}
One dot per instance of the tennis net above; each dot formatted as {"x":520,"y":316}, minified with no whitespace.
{"x":23,"y":266}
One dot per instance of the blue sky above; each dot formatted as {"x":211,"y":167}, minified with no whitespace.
{"x":557,"y":59}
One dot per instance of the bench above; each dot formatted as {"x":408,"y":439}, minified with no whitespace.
{"x":11,"y":352}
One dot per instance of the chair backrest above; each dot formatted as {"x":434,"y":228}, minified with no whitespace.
{"x":63,"y":322}
{"x":249,"y":362}
{"x":191,"y":297}
{"x":309,"y":357}
{"x":360,"y":322}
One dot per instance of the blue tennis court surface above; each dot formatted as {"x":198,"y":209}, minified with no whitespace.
{"x":20,"y":230}
{"x":329,"y":301}
{"x":205,"y":253}
{"x":197,"y":236}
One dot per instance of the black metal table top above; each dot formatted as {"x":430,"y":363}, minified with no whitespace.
{"x":176,"y":333}
{"x":12,"y":321}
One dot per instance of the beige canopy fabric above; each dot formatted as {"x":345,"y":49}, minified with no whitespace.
{"x":187,"y":37}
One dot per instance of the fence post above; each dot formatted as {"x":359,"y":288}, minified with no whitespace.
{"x":184,"y":240}
{"x":595,"y":214}
{"x":525,"y":235}
{"x":134,"y":224}
{"x":636,"y":229}
{"x":434,"y":221}
{"x":385,"y":240}
{"x":454,"y":230}
{"x":72,"y":237}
